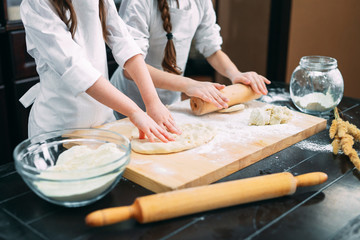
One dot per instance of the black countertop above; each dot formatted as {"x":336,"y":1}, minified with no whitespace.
{"x":327,"y":211}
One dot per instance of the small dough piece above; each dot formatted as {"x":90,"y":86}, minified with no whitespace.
{"x":234,"y":108}
{"x":270,"y":115}
{"x":259,"y":117}
{"x":193,"y":135}
{"x":279,"y":115}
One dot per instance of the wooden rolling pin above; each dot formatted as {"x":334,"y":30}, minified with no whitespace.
{"x":197,"y":199}
{"x":236,"y":93}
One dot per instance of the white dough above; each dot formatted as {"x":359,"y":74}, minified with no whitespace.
{"x":193,"y":135}
{"x":259,"y":117}
{"x":234,"y":108}
{"x":270,"y":115}
{"x":81,"y":173}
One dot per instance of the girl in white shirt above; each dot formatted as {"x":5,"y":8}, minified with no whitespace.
{"x":164,"y":30}
{"x":67,"y":41}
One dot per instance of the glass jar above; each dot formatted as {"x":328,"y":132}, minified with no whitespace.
{"x":13,"y":10}
{"x":316,"y":85}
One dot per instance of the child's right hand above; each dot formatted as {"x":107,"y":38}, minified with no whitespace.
{"x":209,"y":92}
{"x":149,"y":128}
{"x":162,"y":116}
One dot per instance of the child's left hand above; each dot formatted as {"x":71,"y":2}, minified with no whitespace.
{"x":162,"y":116}
{"x":207,"y":91}
{"x":256,"y":81}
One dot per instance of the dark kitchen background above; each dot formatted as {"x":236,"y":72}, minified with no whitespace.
{"x":266,"y":36}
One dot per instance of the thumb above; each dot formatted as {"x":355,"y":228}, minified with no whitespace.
{"x":219,"y":86}
{"x":242,"y":79}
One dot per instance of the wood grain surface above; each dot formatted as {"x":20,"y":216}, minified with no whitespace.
{"x":235,"y":147}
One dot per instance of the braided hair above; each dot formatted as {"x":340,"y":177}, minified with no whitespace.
{"x":169,"y":61}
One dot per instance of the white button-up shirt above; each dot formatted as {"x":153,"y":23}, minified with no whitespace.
{"x":194,"y":19}
{"x":69,"y":66}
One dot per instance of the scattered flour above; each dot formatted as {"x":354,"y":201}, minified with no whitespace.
{"x":314,"y":146}
{"x":276,"y":95}
{"x":159,"y":169}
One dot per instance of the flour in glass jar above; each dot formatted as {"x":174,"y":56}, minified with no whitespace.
{"x":315,"y":101}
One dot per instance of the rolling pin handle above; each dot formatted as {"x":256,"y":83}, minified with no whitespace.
{"x":310,"y":179}
{"x":110,"y":215}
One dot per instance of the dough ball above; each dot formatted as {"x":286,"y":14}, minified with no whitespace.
{"x":259,"y":117}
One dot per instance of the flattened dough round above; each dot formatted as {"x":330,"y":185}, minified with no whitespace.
{"x":234,"y":108}
{"x":193,"y":135}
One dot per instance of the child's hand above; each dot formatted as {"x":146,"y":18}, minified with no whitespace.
{"x":162,"y":116}
{"x":256,"y":81}
{"x":209,"y":92}
{"x":149,"y":128}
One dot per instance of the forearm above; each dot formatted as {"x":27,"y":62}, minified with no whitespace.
{"x":104,"y":92}
{"x":169,"y":81}
{"x":207,"y":91}
{"x":223,"y":65}
{"x":165,"y":80}
{"x":137,"y":70}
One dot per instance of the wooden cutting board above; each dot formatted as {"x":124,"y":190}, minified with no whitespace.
{"x":235,"y":146}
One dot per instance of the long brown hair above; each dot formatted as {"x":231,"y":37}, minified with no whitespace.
{"x":169,"y":61}
{"x":62,"y":6}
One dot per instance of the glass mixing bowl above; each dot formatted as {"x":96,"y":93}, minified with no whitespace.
{"x":316,"y":85}
{"x":73,"y":167}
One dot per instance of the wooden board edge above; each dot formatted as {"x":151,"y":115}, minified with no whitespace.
{"x":146,"y":182}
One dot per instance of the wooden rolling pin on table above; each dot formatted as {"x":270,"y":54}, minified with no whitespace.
{"x":236,"y":93}
{"x":177,"y":203}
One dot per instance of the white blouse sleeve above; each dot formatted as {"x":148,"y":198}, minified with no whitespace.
{"x":49,"y":38}
{"x":119,"y":40}
{"x":207,"y":36}
{"x":136,"y":15}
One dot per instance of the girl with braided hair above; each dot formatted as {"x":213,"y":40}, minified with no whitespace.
{"x":164,"y":30}
{"x":67,"y":39}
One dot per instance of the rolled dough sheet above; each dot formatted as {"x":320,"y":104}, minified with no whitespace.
{"x":193,"y":135}
{"x":234,"y":108}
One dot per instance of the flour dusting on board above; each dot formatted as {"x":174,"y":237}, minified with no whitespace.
{"x":231,"y":128}
{"x":235,"y":146}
